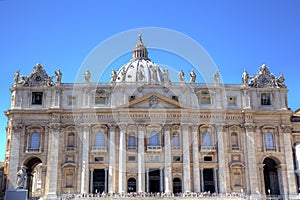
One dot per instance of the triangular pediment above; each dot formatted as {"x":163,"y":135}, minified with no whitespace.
{"x":154,"y":101}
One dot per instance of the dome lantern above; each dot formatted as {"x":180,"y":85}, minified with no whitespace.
{"x":140,"y":50}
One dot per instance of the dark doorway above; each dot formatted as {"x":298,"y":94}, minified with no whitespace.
{"x":208,"y":179}
{"x":34,"y":164}
{"x":131,"y":185}
{"x":271,"y":177}
{"x":154,"y":181}
{"x":177,"y":187}
{"x":99,"y":181}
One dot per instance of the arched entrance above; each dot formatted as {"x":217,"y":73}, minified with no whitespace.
{"x":34,"y":176}
{"x":131,"y":185}
{"x":177,"y":186}
{"x":271,"y":177}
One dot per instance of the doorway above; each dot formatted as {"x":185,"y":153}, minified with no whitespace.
{"x":271,"y":177}
{"x":131,"y":185}
{"x":99,"y":181}
{"x":177,"y":186}
{"x":208,"y":179}
{"x":154,"y":181}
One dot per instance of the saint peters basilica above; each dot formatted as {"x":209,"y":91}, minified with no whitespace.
{"x":142,"y":132}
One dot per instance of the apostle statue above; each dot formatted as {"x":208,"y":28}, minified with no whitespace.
{"x":17,"y":77}
{"x":87,"y":76}
{"x":192,"y":77}
{"x":217,"y":77}
{"x":21,"y":178}
{"x":245,"y":77}
{"x":113,"y":75}
{"x":166,"y":75}
{"x":181,"y":76}
{"x":58,"y":76}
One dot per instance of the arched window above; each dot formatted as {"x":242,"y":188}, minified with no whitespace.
{"x":234,"y":140}
{"x":154,"y":139}
{"x":176,"y":143}
{"x":269,"y":141}
{"x":35,"y":141}
{"x":206,"y":139}
{"x":237,"y":179}
{"x":131,"y":141}
{"x":100,"y":139}
{"x":71,"y":140}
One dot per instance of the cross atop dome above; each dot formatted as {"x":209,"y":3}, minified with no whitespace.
{"x":140,"y":50}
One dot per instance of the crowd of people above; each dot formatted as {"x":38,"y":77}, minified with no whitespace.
{"x":231,"y":195}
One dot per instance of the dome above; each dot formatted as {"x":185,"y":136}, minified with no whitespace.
{"x":140,"y":68}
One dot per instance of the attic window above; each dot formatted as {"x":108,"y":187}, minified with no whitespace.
{"x":37,"y":98}
{"x":175,"y":98}
{"x":131,"y":98}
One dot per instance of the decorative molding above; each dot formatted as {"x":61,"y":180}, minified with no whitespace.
{"x":286,"y":128}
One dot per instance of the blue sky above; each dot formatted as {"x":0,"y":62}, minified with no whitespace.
{"x":236,"y":34}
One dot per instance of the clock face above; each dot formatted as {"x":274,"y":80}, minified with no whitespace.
{"x":264,"y":80}
{"x":37,"y":78}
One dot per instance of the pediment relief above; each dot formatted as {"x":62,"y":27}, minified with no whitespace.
{"x":154,"y":101}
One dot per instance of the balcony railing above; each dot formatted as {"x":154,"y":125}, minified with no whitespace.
{"x":131,"y":147}
{"x":99,"y":148}
{"x":154,"y":148}
{"x":33,"y":150}
{"x":211,"y":148}
{"x":71,"y":148}
{"x":176,"y":147}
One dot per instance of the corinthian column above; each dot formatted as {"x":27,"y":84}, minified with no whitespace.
{"x":196,"y":173}
{"x":85,"y":132}
{"x":168,"y":163}
{"x":52,"y":162}
{"x":221,"y":160}
{"x":112,"y":159}
{"x":122,"y":159}
{"x":141,"y":160}
{"x":186,"y":158}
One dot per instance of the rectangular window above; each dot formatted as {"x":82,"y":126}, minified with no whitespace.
{"x":72,"y":100}
{"x":265,"y":99}
{"x":37,"y":98}
{"x":100,"y":100}
{"x":176,"y":158}
{"x":207,"y":158}
{"x":99,"y":159}
{"x":205,"y":100}
{"x":131,"y":158}
{"x":269,"y":141}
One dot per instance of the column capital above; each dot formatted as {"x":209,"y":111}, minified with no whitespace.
{"x":220,"y":127}
{"x":147,"y":170}
{"x":250,"y":127}
{"x":261,"y":167}
{"x":123,"y":127}
{"x":111,"y":126}
{"x":105,"y":169}
{"x":286,"y":128}
{"x":17,"y":127}
{"x":54,"y":126}
{"x":195,"y":127}
{"x":185,"y":125}
{"x":168,"y":127}
{"x":92,"y":169}
{"x":84,"y":125}
{"x":141,"y":126}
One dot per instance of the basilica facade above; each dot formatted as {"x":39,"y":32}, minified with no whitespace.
{"x":141,"y":132}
